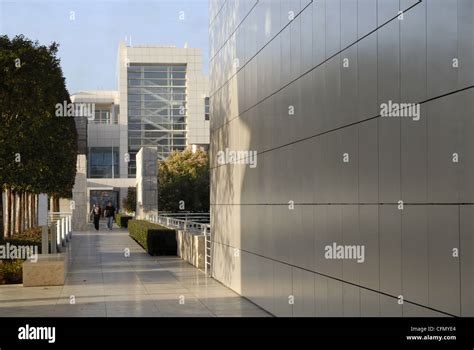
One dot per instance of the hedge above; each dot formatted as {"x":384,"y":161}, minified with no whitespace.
{"x":122,"y":220}
{"x":155,"y":239}
{"x":11,"y":271}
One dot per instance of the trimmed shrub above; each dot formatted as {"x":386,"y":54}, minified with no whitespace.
{"x":11,"y":271}
{"x":122,"y":220}
{"x":154,"y":238}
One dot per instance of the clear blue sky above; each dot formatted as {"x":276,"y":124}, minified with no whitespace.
{"x":89,"y":44}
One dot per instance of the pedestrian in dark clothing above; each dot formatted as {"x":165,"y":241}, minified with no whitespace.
{"x":96,"y":212}
{"x":110,"y":214}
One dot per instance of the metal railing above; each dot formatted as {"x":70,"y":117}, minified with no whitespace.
{"x":187,"y":222}
{"x":61,"y":232}
{"x":195,"y":217}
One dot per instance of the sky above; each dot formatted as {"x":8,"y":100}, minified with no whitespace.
{"x":89,"y":31}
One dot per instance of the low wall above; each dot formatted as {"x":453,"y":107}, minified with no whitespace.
{"x":49,"y":270}
{"x":191,"y":248}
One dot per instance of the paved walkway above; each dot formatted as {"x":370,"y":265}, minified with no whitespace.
{"x":105,"y":283}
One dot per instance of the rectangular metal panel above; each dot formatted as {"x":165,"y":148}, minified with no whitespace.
{"x":304,"y":293}
{"x":335,"y":298}
{"x":369,"y":303}
{"x":387,"y":10}
{"x":368,"y":162}
{"x":389,"y":160}
{"x":466,"y":141}
{"x":351,"y":300}
{"x":317,"y":146}
{"x":349,"y":164}
{"x":276,"y":64}
{"x":366,"y":17}
{"x":413,"y":54}
{"x":249,"y":275}
{"x":411,"y":310}
{"x":285,"y":40}
{"x":283,"y":290}
{"x":442,"y":46}
{"x":369,"y":267}
{"x":333,"y":27}
{"x":443,"y":230}
{"x":332,"y":93}
{"x":320,"y":238}
{"x":333,"y":267}
{"x":465,"y":43}
{"x":307,"y":124}
{"x":348,"y":23}
{"x":319,"y":32}
{"x":443,"y":133}
{"x":295,"y":54}
{"x":413,"y":158}
{"x":390,"y":250}
{"x":349,"y":91}
{"x":350,"y":237}
{"x":268,"y":285}
{"x":334,"y":170}
{"x":367,"y":104}
{"x":319,"y":110}
{"x":307,"y":39}
{"x":389,"y":307}
{"x":415,"y":254}
{"x":467,"y":259}
{"x":302,"y":237}
{"x":321,"y":295}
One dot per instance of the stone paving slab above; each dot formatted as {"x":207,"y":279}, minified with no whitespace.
{"x":103,"y":282}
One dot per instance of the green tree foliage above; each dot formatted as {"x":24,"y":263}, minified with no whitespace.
{"x":184,"y":178}
{"x":37,"y":149}
{"x":129,"y":203}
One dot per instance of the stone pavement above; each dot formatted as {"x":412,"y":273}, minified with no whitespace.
{"x":103,"y":282}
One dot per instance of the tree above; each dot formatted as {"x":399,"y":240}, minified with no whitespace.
{"x":37,"y":149}
{"x":183,"y":182}
{"x":129,"y":203}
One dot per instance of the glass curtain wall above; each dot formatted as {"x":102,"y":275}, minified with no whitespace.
{"x":156,"y":110}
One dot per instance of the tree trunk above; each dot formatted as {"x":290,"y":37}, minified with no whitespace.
{"x":22,"y":211}
{"x":56,"y":204}
{"x":35,"y":204}
{"x":12,"y":212}
{"x":1,"y":213}
{"x":17,"y":212}
{"x":30,"y":210}
{"x":6,"y":224}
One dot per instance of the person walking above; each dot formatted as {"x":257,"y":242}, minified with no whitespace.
{"x":110,"y":214}
{"x":96,"y":212}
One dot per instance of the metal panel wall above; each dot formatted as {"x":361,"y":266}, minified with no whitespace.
{"x":344,"y":58}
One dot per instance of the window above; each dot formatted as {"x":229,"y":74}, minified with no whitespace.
{"x":206,"y":108}
{"x":104,"y":116}
{"x":156,"y":109}
{"x":103,"y":162}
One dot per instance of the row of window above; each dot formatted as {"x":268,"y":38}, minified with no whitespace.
{"x":155,"y":97}
{"x":157,"y":68}
{"x":157,"y":82}
{"x":104,"y":117}
{"x":157,"y":75}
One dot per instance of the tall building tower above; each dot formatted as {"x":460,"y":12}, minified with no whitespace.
{"x":162,"y":101}
{"x":163,"y":95}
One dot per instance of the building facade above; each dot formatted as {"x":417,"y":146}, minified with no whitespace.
{"x":160,"y":102}
{"x":350,"y":211}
